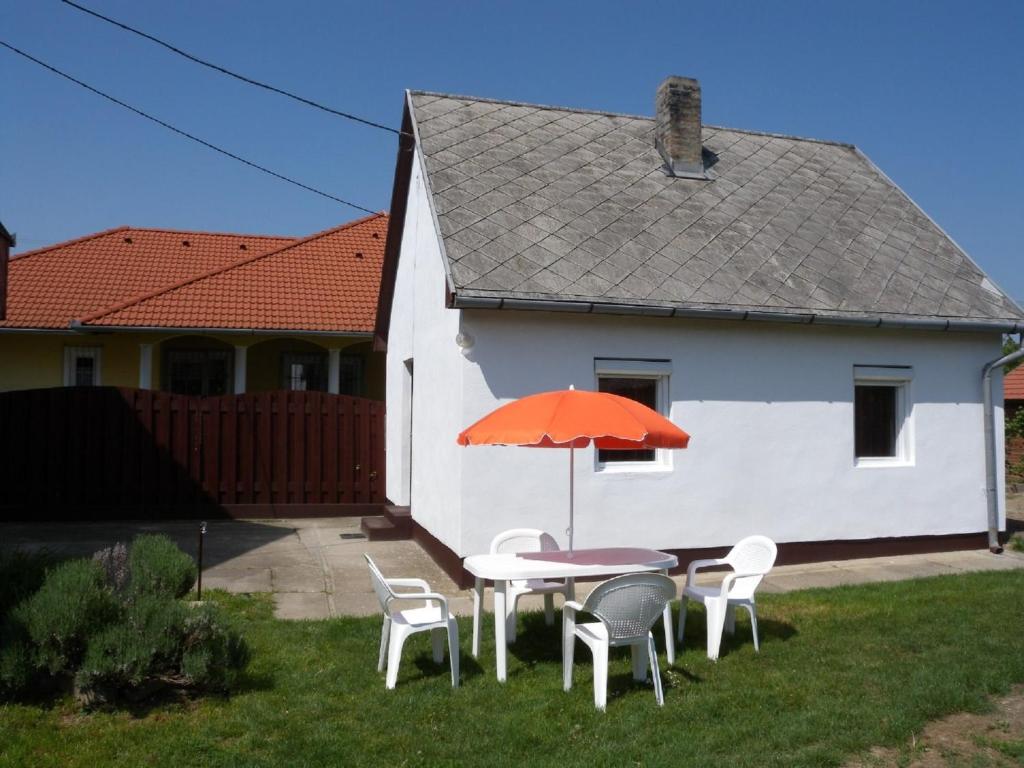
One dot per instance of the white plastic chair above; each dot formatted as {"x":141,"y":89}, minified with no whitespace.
{"x":528,"y":540}
{"x":750,"y":560}
{"x":398,"y":625}
{"x":627,"y":607}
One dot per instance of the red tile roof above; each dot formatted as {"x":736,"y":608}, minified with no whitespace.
{"x":326,"y":282}
{"x":50,"y":287}
{"x":1013,"y":384}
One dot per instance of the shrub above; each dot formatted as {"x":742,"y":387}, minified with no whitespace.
{"x":144,"y":647}
{"x":73,"y":603}
{"x":213,"y":651}
{"x":17,"y":665}
{"x":114,"y":561}
{"x":158,"y":567}
{"x":21,"y":574}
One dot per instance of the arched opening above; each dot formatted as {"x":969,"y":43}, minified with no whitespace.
{"x":196,"y":365}
{"x":293,"y":364}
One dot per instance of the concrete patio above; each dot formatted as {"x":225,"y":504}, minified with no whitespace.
{"x":315,"y":567}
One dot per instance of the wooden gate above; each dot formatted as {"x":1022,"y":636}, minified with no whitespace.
{"x":106,"y":452}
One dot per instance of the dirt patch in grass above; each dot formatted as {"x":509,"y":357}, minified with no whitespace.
{"x":991,"y":740}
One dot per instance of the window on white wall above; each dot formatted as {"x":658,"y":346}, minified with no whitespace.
{"x":882,"y":408}
{"x":82,"y":366}
{"x":645,"y":381}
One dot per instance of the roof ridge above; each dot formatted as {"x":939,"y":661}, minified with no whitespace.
{"x":220,"y":270}
{"x":207,"y":232}
{"x":608,"y":113}
{"x":129,"y":228}
{"x":66,"y":243}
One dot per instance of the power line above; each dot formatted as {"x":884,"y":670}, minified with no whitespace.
{"x":180,"y":132}
{"x":228,"y":72}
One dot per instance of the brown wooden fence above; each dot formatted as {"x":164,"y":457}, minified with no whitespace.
{"x":116,"y":452}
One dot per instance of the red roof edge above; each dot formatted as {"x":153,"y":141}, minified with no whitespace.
{"x":219,"y":270}
{"x":66,"y":243}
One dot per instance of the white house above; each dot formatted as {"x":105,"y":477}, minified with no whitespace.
{"x":821,"y":339}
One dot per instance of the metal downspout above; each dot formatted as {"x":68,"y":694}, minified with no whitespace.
{"x":991,"y":471}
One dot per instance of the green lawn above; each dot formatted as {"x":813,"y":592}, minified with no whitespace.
{"x":840,"y":670}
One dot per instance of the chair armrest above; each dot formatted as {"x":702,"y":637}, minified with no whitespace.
{"x":692,"y":568}
{"x":427,"y":596}
{"x":413,"y":583}
{"x":728,"y":580}
{"x":572,"y":605}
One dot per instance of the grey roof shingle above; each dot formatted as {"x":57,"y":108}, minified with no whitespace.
{"x":536,"y":202}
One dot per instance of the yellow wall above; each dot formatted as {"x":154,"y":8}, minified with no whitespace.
{"x":33,"y":360}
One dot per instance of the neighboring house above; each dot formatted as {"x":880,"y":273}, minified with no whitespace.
{"x":197,"y":313}
{"x":780,"y":298}
{"x":1013,"y":391}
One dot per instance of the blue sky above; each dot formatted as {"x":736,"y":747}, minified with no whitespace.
{"x":933,"y":92}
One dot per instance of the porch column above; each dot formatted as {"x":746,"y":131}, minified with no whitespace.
{"x":145,"y":366}
{"x":241,"y":354}
{"x":334,"y":371}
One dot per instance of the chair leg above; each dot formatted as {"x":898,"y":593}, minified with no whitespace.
{"x":600,"y":651}
{"x":716,"y":624}
{"x":670,"y":646}
{"x":730,"y":619}
{"x":659,"y":692}
{"x":437,"y":644}
{"x":568,"y":649}
{"x":549,"y":609}
{"x":510,"y":619}
{"x":752,"y":609}
{"x":395,"y":643}
{"x":385,"y":632}
{"x":453,"y":650}
{"x":639,"y":652}
{"x":683,"y":601}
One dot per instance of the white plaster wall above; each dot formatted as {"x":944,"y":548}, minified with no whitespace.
{"x":422,"y":328}
{"x":770,"y":411}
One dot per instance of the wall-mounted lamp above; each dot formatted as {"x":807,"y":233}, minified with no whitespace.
{"x":465,"y":343}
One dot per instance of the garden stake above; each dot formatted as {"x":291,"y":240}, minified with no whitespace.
{"x":199,"y":585}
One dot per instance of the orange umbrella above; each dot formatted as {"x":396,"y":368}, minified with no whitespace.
{"x":575,"y":419}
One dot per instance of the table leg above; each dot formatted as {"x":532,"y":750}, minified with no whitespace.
{"x":500,"y":647}
{"x":572,"y":589}
{"x":670,"y":640}
{"x":478,"y":609}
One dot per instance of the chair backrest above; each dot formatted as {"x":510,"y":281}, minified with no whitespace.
{"x":380,"y":585}
{"x":754,"y":554}
{"x":629,"y":605}
{"x":523,"y":540}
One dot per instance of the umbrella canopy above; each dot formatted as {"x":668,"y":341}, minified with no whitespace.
{"x":575,"y":419}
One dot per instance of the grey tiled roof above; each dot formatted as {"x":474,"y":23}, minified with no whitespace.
{"x":535,"y":202}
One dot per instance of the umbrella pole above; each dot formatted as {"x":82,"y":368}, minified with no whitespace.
{"x":572,"y":476}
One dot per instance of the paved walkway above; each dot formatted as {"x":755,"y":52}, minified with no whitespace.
{"x":315,"y":567}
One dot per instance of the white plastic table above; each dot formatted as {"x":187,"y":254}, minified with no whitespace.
{"x":582,"y":563}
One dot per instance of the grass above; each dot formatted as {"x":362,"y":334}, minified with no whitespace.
{"x":840,"y":670}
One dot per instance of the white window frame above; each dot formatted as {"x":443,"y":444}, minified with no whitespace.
{"x":661,"y":372}
{"x":71,"y":354}
{"x":899,"y":377}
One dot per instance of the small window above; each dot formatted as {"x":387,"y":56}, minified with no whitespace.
{"x":82,"y":366}
{"x":198,"y":371}
{"x":645,"y":381}
{"x":350,"y":375}
{"x":881,"y":415}
{"x":304,"y":371}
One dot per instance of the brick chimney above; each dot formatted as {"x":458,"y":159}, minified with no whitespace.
{"x":677,"y":133}
{"x":6,"y":243}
